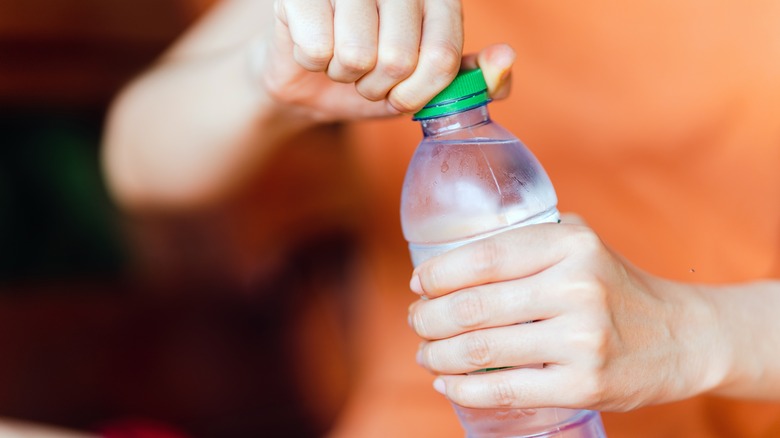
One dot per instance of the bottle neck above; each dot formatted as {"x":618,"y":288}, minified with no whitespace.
{"x":454,"y":122}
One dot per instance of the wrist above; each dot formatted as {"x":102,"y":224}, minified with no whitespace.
{"x":710,"y":345}
{"x":702,"y":357}
{"x":749,"y":335}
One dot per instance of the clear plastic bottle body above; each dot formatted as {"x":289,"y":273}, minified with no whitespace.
{"x":469,"y":179}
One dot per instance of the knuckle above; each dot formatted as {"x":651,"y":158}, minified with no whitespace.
{"x":593,"y":334}
{"x":356,"y":59}
{"x":591,"y":386}
{"x":444,"y":61}
{"x":431,"y":359}
{"x":590,"y":393}
{"x":370,"y":92}
{"x":419,"y":325}
{"x":444,"y":56}
{"x":318,"y":54}
{"x":397,"y":63}
{"x":594,"y":342}
{"x":432,"y":277}
{"x":457,"y":393}
{"x":404,"y":101}
{"x":585,"y":239}
{"x":488,"y":257}
{"x":478,"y":351}
{"x":469,"y":309}
{"x":503,"y":393}
{"x":592,"y":294}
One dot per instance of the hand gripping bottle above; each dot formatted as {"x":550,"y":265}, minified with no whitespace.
{"x":469,"y":179}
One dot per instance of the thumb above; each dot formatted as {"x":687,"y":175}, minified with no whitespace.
{"x":496,"y":62}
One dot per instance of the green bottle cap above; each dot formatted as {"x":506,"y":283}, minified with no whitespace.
{"x":468,"y":90}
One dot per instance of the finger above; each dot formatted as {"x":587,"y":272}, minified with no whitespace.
{"x":496,"y":63}
{"x":306,"y":29}
{"x":550,"y":386}
{"x":508,"y":346}
{"x":400,"y":28}
{"x":355,"y":39}
{"x":513,"y":254}
{"x":494,"y":305}
{"x":441,"y":47}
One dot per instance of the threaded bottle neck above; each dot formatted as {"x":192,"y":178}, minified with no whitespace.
{"x":454,"y":122}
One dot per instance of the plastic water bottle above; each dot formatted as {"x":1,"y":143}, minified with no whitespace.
{"x":469,"y":179}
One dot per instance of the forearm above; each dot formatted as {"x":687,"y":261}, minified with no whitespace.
{"x":188,"y":130}
{"x":748,"y":323}
{"x":255,"y":72}
{"x":199,"y":120}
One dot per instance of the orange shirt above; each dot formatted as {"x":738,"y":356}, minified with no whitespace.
{"x":659,"y":123}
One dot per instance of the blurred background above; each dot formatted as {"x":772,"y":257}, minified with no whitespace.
{"x":112,"y":322}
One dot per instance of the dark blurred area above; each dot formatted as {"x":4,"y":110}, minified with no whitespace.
{"x":225,"y":323}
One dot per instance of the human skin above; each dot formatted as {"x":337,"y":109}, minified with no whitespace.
{"x":611,"y":337}
{"x":253,"y":74}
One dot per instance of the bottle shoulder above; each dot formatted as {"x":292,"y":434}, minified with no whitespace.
{"x":488,"y":131}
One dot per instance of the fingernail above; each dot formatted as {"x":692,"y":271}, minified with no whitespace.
{"x":439,"y":386}
{"x":415,"y":285}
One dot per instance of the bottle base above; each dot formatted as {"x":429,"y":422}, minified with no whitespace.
{"x":530,"y":423}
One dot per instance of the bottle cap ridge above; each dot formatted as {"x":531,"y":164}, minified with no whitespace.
{"x":466,"y":91}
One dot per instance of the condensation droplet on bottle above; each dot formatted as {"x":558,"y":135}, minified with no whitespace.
{"x":445,"y":167}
